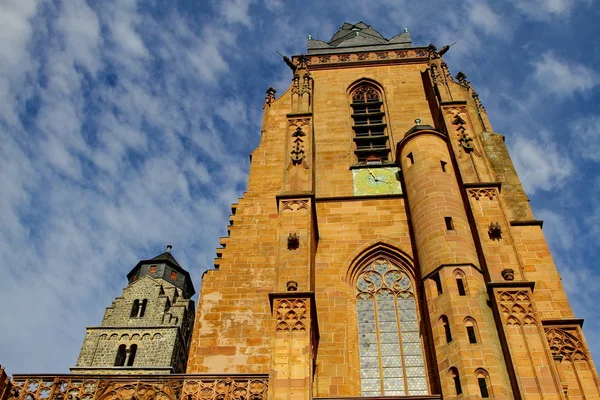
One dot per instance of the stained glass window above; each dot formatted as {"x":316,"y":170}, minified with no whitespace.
{"x":390,"y":350}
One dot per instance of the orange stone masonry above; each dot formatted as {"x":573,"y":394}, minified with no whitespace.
{"x":492,"y":317}
{"x":385,"y":248}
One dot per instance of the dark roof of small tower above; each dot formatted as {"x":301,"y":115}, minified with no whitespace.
{"x":184,"y":282}
{"x":358,"y":37}
{"x":167,"y":256}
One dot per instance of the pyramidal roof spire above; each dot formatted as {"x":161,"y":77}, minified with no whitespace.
{"x":358,"y":37}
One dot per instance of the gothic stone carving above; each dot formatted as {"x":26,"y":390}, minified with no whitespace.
{"x":517,"y":308}
{"x":292,"y":286}
{"x":378,"y":55}
{"x":462,"y":79}
{"x":293,"y":241}
{"x":102,"y":388}
{"x":294,"y":205}
{"x":225,"y":389}
{"x":291,"y":315}
{"x":565,"y":344}
{"x":270,"y":96}
{"x":495,"y":231}
{"x":478,"y":193}
{"x":508,"y":274}
{"x":297,"y":155}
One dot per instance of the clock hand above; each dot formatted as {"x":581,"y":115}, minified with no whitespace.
{"x":374,"y":177}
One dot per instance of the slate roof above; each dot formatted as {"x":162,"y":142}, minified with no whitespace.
{"x":358,"y":37}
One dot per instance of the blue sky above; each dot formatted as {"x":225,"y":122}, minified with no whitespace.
{"x":126,"y":124}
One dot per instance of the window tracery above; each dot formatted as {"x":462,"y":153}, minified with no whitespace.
{"x":390,"y":349}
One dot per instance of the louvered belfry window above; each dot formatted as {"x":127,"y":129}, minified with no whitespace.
{"x":370,"y":138}
{"x":390,"y":349}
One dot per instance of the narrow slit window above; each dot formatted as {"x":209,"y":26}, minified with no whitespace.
{"x":438,"y":283}
{"x":410,"y":158}
{"x":132,"y":353}
{"x":456,"y":379}
{"x":471,"y":334}
{"x":135,"y":309}
{"x":446,"y":326}
{"x":121,"y":354}
{"x":449,"y":223}
{"x":461,"y":286}
{"x":483,"y":387}
{"x":143,"y":308}
{"x":443,"y":164}
{"x":152,"y":269}
{"x":173,"y":275}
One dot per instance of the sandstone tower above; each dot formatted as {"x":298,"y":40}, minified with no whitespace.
{"x":385,"y":245}
{"x":385,"y":248}
{"x":148,"y":329}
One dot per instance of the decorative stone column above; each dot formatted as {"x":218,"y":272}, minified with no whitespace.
{"x":294,"y":345}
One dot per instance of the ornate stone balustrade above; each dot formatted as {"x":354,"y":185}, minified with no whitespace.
{"x":139,"y":387}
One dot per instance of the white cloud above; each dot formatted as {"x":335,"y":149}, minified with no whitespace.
{"x":482,"y":16}
{"x":274,"y":5}
{"x":134,"y":140}
{"x":236,"y":11}
{"x":562,"y":77}
{"x":539,"y":163}
{"x":585,"y":137}
{"x":81,"y":31}
{"x":544,"y":9}
{"x":559,"y":230}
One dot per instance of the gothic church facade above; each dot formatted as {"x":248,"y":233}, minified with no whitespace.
{"x":384,"y":248}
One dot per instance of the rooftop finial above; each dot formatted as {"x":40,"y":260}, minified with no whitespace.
{"x":418,"y":121}
{"x":169,"y":247}
{"x":309,"y":37}
{"x":405,"y":30}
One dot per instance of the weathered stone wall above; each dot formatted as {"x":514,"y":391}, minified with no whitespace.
{"x":494,"y":232}
{"x":162,"y":335}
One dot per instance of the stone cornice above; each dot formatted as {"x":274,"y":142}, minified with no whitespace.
{"x":359,"y":58}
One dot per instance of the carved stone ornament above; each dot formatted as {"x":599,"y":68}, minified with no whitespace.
{"x":293,"y":241}
{"x":291,"y":315}
{"x":292,"y":286}
{"x":565,"y":344}
{"x":478,"y":193}
{"x":294,"y":205}
{"x":306,"y":84}
{"x":302,"y":61}
{"x":297,"y":155}
{"x":466,"y":142}
{"x":508,"y":274}
{"x":270,"y":96}
{"x":495,"y":231}
{"x":296,"y":84}
{"x":517,"y":308}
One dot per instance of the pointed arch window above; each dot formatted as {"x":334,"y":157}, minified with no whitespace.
{"x":390,"y":348}
{"x":370,"y":138}
{"x":483,"y":382}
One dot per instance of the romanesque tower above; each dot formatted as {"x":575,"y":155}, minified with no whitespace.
{"x":385,"y":245}
{"x":146,"y":330}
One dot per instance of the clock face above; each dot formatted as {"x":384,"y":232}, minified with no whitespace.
{"x":372,"y":181}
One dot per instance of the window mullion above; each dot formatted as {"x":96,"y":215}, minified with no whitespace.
{"x":378,"y":333}
{"x":401,"y":344}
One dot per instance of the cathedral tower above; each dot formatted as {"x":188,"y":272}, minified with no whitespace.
{"x":385,"y":245}
{"x":147,"y":330}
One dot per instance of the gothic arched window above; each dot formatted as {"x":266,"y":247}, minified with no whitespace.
{"x":371,"y":141}
{"x":391,"y":354}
